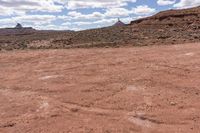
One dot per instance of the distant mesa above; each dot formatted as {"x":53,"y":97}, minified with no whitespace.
{"x":18,"y":26}
{"x":119,"y":23}
{"x":17,"y":30}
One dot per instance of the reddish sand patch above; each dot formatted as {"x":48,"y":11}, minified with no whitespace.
{"x":148,"y":89}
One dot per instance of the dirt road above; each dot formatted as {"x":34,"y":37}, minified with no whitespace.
{"x":124,"y":90}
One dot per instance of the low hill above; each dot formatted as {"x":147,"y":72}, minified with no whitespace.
{"x":15,"y":31}
{"x":164,"y":28}
{"x":185,"y":18}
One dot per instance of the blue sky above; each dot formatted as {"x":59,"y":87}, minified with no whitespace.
{"x":81,"y":14}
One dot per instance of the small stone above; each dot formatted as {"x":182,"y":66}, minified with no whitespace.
{"x":172,"y":103}
{"x":74,"y":109}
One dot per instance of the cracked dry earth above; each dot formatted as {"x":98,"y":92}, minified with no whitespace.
{"x":124,"y":90}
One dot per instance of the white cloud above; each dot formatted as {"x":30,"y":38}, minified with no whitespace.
{"x":165,"y":2}
{"x":83,"y":23}
{"x":16,"y":7}
{"x":66,"y":24}
{"x":79,"y":15}
{"x":51,"y":27}
{"x":143,"y":10}
{"x":97,"y":23}
{"x":64,"y":17}
{"x":106,"y":21}
{"x":5,"y":11}
{"x":35,"y":19}
{"x":117,"y":12}
{"x":112,"y":12}
{"x":187,"y":3}
{"x":77,"y":4}
{"x":7,"y":22}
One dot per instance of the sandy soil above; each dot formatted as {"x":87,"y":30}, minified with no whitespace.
{"x":124,"y":90}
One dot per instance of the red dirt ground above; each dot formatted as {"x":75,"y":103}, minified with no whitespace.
{"x":124,"y":90}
